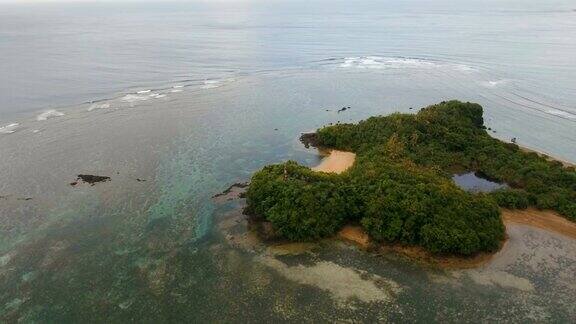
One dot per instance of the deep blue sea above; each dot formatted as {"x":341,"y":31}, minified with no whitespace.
{"x":177,"y":100}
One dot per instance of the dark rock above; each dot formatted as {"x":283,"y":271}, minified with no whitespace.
{"x":140,"y":180}
{"x":227,"y":191}
{"x":91,"y":179}
{"x":309,"y":139}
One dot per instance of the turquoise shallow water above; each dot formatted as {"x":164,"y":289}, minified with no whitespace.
{"x":154,"y":249}
{"x":188,"y":107}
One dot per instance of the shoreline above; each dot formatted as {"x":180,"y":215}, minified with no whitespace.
{"x":334,"y":161}
{"x":547,"y":156}
{"x":337,"y":162}
{"x":258,"y":235}
{"x":255,"y":236}
{"x":356,"y":235}
{"x":309,"y":139}
{"x":546,"y":220}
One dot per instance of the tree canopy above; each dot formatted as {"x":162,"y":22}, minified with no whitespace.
{"x":400,"y":188}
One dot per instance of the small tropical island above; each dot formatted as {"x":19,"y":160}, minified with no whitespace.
{"x":399,"y":188}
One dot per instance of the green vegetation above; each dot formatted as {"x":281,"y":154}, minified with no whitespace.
{"x":400,"y":188}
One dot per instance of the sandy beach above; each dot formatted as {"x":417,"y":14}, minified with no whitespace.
{"x":335,"y":161}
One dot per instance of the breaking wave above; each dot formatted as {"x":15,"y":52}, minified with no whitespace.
{"x":49,"y":114}
{"x":9,"y":129}
{"x":211,"y":84}
{"x":561,"y":113}
{"x":378,"y":62}
{"x":130,"y":98}
{"x":99,"y":106}
{"x":494,"y":83}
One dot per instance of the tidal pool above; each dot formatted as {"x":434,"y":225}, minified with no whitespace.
{"x":473,"y":182}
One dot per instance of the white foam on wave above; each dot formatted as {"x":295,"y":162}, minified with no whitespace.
{"x":398,"y":63}
{"x":494,"y":83}
{"x":134,"y":98}
{"x":9,"y":129}
{"x":143,"y":91}
{"x":211,"y":84}
{"x":49,"y":114}
{"x":177,"y":88}
{"x":379,"y":62}
{"x":99,"y":106}
{"x":142,"y":96}
{"x":561,"y":113}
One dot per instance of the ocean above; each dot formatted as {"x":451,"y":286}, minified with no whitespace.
{"x":177,"y":100}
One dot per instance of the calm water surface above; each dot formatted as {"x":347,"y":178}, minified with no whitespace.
{"x":473,"y":182}
{"x":176,"y":101}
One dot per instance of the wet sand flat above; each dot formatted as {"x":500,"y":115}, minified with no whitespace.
{"x":355,"y":234}
{"x":542,"y":219}
{"x":538,"y":220}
